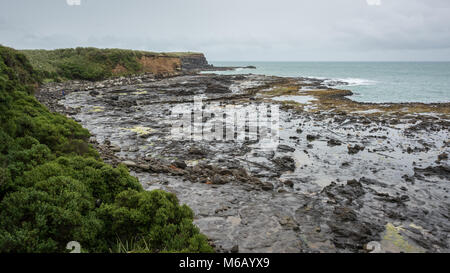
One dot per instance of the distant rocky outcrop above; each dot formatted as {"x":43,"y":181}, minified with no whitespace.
{"x":194,"y":62}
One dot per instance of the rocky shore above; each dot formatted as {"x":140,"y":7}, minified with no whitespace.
{"x":345,"y":176}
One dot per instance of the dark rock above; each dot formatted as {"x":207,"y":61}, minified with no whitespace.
{"x":285,"y":163}
{"x":219,"y":180}
{"x":369,"y":181}
{"x":345,"y":164}
{"x":180,"y":164}
{"x":212,"y":88}
{"x":311,"y":137}
{"x":94,"y":93}
{"x":285,"y":149}
{"x":345,"y":214}
{"x":355,"y":149}
{"x":267,"y":186}
{"x":443,"y":156}
{"x":196,"y":151}
{"x":334,"y":142}
{"x":289,"y":183}
{"x":441,"y":171}
{"x":235,"y":249}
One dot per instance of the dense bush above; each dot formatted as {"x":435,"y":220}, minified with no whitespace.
{"x":54,"y":188}
{"x":89,"y":63}
{"x":156,"y":219}
{"x":84,"y":63}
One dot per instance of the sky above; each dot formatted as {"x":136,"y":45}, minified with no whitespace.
{"x":238,"y":30}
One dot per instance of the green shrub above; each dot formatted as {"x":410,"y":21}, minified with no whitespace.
{"x":42,"y":218}
{"x":78,"y":68}
{"x":104,"y":181}
{"x":155,"y":220}
{"x":54,"y":188}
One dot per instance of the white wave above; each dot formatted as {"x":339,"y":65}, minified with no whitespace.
{"x":352,"y":81}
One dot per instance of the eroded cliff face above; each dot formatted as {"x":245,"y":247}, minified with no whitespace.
{"x":158,"y":65}
{"x":167,"y":65}
{"x":194,"y":62}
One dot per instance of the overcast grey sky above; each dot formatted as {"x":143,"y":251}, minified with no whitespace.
{"x":238,"y":30}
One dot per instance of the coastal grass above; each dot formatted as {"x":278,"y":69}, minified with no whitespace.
{"x":54,"y":188}
{"x":91,"y":63}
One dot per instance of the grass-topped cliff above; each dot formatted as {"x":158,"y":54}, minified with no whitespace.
{"x":98,"y":64}
{"x":54,"y":188}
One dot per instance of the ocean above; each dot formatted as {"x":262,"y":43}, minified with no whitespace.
{"x":377,"y":82}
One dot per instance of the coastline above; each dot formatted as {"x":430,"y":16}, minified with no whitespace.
{"x":238,"y":192}
{"x":373,"y":82}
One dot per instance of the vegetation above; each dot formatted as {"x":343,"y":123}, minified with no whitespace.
{"x":54,"y":188}
{"x":89,"y":63}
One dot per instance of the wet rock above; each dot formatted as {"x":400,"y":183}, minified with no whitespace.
{"x":369,"y":181}
{"x":267,"y":186}
{"x":345,"y":164}
{"x":334,"y":142}
{"x":385,"y":197}
{"x":235,"y":249}
{"x":311,"y":137}
{"x":197,"y":151}
{"x":355,"y":149}
{"x":289,"y":183}
{"x":129,"y":163}
{"x":180,"y":164}
{"x":442,"y":171}
{"x":222,"y":209}
{"x":285,"y":149}
{"x":285,"y":163}
{"x":288,"y":222}
{"x":94,"y":93}
{"x":133,"y":149}
{"x":219,"y":180}
{"x":408,"y":178}
{"x":212,"y":88}
{"x":345,"y":214}
{"x":349,"y":192}
{"x":341,"y":217}
{"x":443,"y":156}
{"x":143,"y":167}
{"x":409,"y":150}
{"x":351,"y":234}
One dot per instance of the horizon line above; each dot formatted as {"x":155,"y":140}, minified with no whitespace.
{"x":394,"y":61}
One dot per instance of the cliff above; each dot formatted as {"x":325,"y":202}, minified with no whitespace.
{"x":194,"y":62}
{"x":99,"y":64}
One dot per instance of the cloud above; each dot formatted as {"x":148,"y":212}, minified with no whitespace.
{"x":373,"y":2}
{"x":238,"y":30}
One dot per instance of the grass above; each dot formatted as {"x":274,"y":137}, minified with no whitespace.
{"x":91,"y":63}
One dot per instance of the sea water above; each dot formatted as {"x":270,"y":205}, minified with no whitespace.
{"x":377,"y":82}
